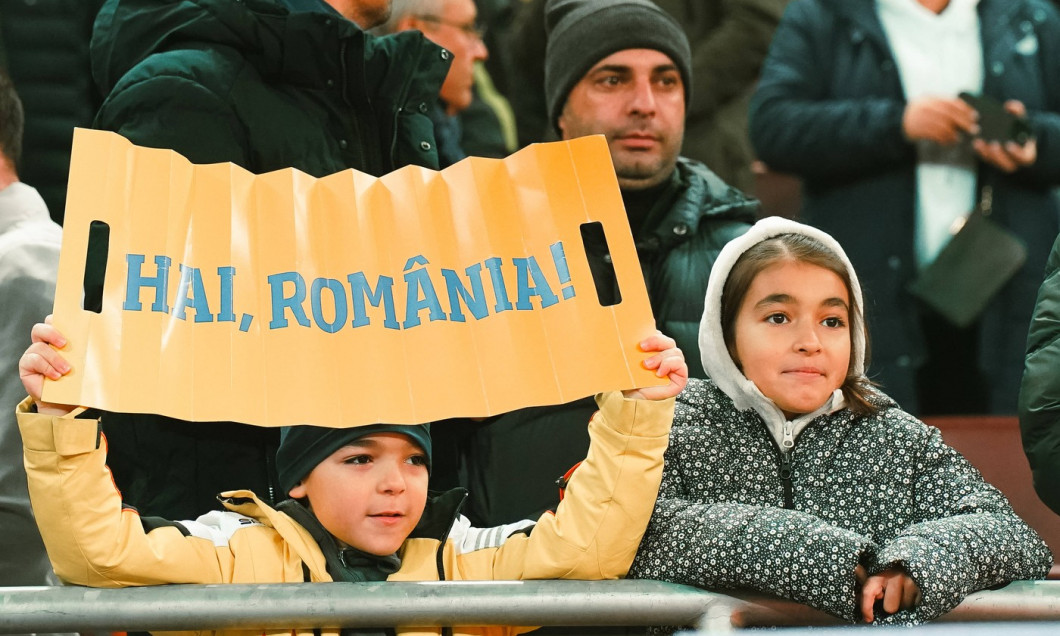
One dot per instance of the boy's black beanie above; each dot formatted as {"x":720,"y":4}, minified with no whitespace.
{"x":583,"y":32}
{"x":303,"y":447}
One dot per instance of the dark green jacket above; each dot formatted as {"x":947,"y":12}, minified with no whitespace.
{"x":1039,"y":405}
{"x":265,"y":84}
{"x":510,"y":463}
{"x":677,"y":253}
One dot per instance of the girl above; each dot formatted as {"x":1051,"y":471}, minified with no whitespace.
{"x":788,"y":473}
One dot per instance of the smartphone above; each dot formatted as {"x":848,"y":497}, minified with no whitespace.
{"x":996,"y":123}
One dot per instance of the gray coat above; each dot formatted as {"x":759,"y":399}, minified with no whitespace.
{"x":29,"y":265}
{"x":881,"y":490}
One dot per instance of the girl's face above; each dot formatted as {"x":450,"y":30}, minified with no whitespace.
{"x":793,"y":335}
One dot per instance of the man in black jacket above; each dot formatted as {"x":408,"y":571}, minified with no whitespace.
{"x":454,"y":25}
{"x":621,"y":69}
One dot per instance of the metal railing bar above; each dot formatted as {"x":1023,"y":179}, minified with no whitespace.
{"x":433,"y":604}
{"x":332,"y":605}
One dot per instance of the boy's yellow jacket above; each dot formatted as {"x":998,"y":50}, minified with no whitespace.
{"x":92,"y":540}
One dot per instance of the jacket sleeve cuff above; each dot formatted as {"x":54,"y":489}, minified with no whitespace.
{"x":636,"y":417}
{"x":924,"y":562}
{"x":830,"y":582}
{"x":64,"y":435}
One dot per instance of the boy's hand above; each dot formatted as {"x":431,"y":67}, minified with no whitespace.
{"x":43,"y":360}
{"x":893,"y":586}
{"x":670,"y":362}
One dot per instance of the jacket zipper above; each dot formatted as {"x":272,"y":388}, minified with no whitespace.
{"x":269,"y":470}
{"x":787,"y":451}
{"x":785,"y":478}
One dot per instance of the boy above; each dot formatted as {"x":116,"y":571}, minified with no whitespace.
{"x":359,"y":511}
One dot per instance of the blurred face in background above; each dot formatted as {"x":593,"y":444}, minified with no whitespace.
{"x":453,"y":26}
{"x":365,"y":13}
{"x":636,"y":99}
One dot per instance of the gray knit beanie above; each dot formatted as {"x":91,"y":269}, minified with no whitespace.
{"x":583,"y":32}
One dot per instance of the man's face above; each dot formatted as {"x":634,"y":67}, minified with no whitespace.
{"x":636,"y":99}
{"x":365,"y":13}
{"x":369,"y":494}
{"x":454,"y":28}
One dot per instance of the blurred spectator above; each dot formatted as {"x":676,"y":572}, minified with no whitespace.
{"x":730,"y":39}
{"x":497,"y":18}
{"x":452,"y":24}
{"x":525,"y":86}
{"x":859,"y":98}
{"x":266,"y":85}
{"x":620,"y":69}
{"x":29,"y":262}
{"x":45,"y":43}
{"x":488,"y":124}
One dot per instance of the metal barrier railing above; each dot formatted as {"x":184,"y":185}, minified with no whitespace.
{"x":544,"y":603}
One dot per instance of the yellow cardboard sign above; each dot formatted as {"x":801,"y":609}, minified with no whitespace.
{"x":280,"y":298}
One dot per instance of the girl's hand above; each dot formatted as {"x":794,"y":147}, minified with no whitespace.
{"x":893,"y":586}
{"x":43,"y":360}
{"x":670,"y":362}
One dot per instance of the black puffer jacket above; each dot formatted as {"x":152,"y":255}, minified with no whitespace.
{"x":1040,"y":391}
{"x":265,"y":84}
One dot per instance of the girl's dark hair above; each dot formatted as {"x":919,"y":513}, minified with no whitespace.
{"x":856,"y":388}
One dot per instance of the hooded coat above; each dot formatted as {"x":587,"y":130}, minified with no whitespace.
{"x":266,"y":85}
{"x":829,"y":109}
{"x":752,"y":500}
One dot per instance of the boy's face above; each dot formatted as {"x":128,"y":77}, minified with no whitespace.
{"x":371,"y":493}
{"x":793,"y":335}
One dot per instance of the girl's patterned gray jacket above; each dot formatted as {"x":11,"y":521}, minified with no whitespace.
{"x":735,"y":511}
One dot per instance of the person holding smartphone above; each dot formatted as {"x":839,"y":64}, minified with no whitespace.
{"x":861,"y":99}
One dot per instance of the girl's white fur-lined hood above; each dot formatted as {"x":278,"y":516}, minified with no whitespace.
{"x":721,"y":368}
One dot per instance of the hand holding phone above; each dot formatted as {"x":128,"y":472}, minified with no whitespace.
{"x":996,"y":123}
